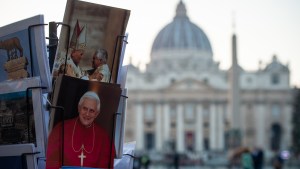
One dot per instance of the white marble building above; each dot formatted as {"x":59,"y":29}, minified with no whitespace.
{"x":184,"y":101}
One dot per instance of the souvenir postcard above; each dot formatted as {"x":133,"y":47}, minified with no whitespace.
{"x":124,"y":43}
{"x":17,"y":58}
{"x":14,"y":156}
{"x":82,"y":124}
{"x":20,"y":121}
{"x":90,"y":48}
{"x":120,"y":120}
{"x":126,"y":161}
{"x":122,"y":76}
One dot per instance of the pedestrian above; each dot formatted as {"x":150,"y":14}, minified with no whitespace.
{"x":176,"y":160}
{"x":145,"y":161}
{"x":247,"y":162}
{"x":137,"y":163}
{"x":277,"y":161}
{"x":258,"y":158}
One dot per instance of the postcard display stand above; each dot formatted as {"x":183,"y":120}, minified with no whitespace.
{"x":24,"y":119}
{"x":24,"y":86}
{"x":24,"y":79}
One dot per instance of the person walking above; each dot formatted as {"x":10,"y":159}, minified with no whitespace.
{"x":277,"y":161}
{"x":258,"y":158}
{"x":247,"y":162}
{"x":145,"y":160}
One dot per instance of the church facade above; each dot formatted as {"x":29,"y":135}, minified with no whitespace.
{"x":183,"y":101}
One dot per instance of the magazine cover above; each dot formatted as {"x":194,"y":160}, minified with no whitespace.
{"x":20,"y":121}
{"x":93,"y":44}
{"x":17,"y":59}
{"x":82,"y":125}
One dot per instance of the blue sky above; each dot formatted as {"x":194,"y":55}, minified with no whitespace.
{"x":263,"y":27}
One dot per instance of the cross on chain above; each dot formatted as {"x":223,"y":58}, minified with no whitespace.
{"x":81,"y":156}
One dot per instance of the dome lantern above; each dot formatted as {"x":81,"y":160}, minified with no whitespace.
{"x":180,"y":10}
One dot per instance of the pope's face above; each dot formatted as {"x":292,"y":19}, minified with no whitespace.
{"x":88,"y":111}
{"x":76,"y":56}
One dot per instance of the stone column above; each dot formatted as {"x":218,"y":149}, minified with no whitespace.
{"x":180,"y":129}
{"x":199,"y":128}
{"x":220,"y":128}
{"x":139,"y":126}
{"x":287,"y":126}
{"x":166,"y":124}
{"x":260,"y":114}
{"x":212,"y":127}
{"x":158,"y":127}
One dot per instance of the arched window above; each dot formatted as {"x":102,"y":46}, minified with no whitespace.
{"x":275,"y":79}
{"x":276,"y":133}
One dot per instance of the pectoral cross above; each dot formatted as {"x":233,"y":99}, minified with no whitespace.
{"x":81,"y":156}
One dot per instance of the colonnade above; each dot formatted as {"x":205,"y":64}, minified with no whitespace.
{"x":162,"y":128}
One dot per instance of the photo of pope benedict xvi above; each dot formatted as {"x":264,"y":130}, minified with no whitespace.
{"x":86,"y":144}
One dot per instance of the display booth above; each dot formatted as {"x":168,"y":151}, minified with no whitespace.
{"x":56,"y":111}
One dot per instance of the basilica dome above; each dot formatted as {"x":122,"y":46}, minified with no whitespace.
{"x":181,"y":34}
